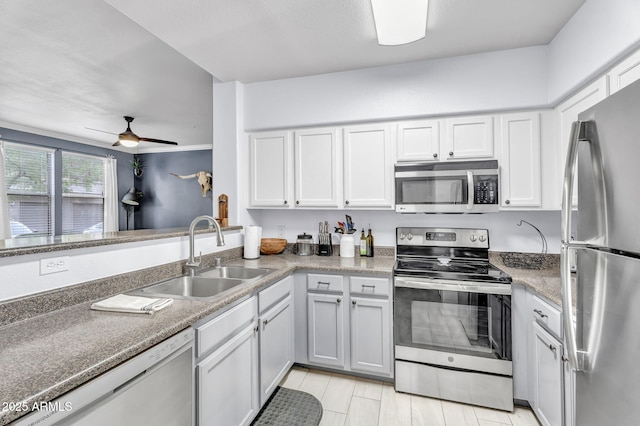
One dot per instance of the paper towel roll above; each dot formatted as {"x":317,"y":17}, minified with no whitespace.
{"x":252,"y":237}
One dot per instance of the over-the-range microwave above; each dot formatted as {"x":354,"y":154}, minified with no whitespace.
{"x":448,"y":187}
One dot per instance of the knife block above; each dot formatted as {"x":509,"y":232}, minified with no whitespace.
{"x":325,"y":248}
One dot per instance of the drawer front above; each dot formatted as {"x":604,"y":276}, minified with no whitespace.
{"x":547,"y":315}
{"x":223,"y":327}
{"x":275,"y":293}
{"x":324,"y":282}
{"x":370,"y":285}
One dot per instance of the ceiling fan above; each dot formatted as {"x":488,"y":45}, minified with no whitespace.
{"x":130,"y":139}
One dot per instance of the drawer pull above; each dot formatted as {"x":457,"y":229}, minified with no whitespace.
{"x":323,"y":283}
{"x":539,"y":312}
{"x":371,"y":286}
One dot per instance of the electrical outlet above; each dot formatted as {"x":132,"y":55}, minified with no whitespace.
{"x":54,"y":264}
{"x":281,"y":230}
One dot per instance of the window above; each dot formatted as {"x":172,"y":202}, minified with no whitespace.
{"x":30,"y":173}
{"x":82,"y":193}
{"x":29,"y":189}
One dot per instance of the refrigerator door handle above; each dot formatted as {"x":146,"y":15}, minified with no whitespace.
{"x":581,"y":131}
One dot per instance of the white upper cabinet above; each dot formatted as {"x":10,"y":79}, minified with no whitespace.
{"x":624,"y":73}
{"x":316,"y":164}
{"x":368,"y":166}
{"x":468,"y":137}
{"x":270,"y":169}
{"x":568,"y":113}
{"x":418,"y":141}
{"x":520,"y":160}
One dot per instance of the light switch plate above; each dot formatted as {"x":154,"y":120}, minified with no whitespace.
{"x":54,"y":264}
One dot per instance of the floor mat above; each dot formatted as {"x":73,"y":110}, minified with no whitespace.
{"x":290,"y":407}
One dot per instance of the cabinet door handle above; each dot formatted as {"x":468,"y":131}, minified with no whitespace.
{"x":564,"y":358}
{"x":435,"y":155}
{"x":285,"y":202}
{"x":346,"y":202}
{"x":507,"y":202}
{"x":552,"y":347}
{"x":354,"y":303}
{"x":265,"y":322}
{"x":450,"y":153}
{"x":297,"y":201}
{"x":338,"y":300}
{"x":539,"y":312}
{"x":255,"y":329}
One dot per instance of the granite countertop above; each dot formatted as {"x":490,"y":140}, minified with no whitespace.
{"x":47,"y":355}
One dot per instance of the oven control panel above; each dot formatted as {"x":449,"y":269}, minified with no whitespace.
{"x":443,"y":237}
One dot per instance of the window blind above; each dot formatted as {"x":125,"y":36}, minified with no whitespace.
{"x":28,"y":173}
{"x":82,"y":193}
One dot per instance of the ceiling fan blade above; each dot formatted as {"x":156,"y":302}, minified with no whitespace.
{"x":158,"y":141}
{"x":101,"y":131}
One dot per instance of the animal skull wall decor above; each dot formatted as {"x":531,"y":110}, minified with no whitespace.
{"x":204,"y":179}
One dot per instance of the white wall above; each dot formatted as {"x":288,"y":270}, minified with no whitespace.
{"x":21,"y":274}
{"x":504,"y":234}
{"x":510,"y":79}
{"x":600,"y":33}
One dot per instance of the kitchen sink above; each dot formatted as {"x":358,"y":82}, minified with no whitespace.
{"x":237,"y":272}
{"x":192,"y":287}
{"x":205,"y":285}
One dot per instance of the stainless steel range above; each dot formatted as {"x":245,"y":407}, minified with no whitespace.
{"x":452,"y":318}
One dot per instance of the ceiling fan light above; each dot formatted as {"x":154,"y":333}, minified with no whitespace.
{"x":400,"y":21}
{"x":128,"y":140}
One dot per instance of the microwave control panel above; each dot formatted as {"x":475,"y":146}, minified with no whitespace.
{"x":485,"y":189}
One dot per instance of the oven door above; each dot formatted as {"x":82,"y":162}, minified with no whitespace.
{"x":442,"y":317}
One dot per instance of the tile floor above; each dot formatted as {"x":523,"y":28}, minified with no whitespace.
{"x":348,"y":400}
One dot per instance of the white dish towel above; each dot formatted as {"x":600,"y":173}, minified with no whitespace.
{"x":132,"y":304}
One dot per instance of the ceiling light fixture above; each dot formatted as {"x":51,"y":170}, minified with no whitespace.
{"x":400,"y":21}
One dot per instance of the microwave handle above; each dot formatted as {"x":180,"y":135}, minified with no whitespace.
{"x":470,"y":190}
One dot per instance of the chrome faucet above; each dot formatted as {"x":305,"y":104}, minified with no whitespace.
{"x":192,"y":264}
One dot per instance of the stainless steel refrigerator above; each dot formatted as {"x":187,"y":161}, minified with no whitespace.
{"x":603,"y":345}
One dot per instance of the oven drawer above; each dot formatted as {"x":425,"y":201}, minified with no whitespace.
{"x":547,"y":315}
{"x":369,"y":285}
{"x":325,"y":282}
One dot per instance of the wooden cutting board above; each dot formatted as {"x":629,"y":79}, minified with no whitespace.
{"x":223,"y":209}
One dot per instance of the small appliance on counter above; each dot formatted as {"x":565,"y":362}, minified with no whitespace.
{"x":304,"y":245}
{"x":325,"y":247}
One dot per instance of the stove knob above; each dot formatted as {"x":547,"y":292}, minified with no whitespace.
{"x":402,"y":236}
{"x":410,"y":237}
{"x":482,"y":238}
{"x":473,"y":238}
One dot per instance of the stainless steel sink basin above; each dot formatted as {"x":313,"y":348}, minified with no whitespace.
{"x":206,"y":284}
{"x":237,"y":272}
{"x":192,"y":287}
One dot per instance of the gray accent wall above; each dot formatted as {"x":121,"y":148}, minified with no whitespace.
{"x":170,"y":201}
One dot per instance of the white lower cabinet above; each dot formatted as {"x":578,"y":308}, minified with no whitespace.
{"x":548,"y":372}
{"x":227,"y":378}
{"x":349,"y":327}
{"x":326,"y":329}
{"x":276,"y":336}
{"x":370,"y":335}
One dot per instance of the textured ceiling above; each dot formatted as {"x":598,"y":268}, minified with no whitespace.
{"x":69,"y":65}
{"x":249,"y":40}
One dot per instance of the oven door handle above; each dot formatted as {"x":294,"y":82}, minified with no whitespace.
{"x":470,"y":190}
{"x":459,"y":286}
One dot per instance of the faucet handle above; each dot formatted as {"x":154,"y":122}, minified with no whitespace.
{"x":218,"y":262}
